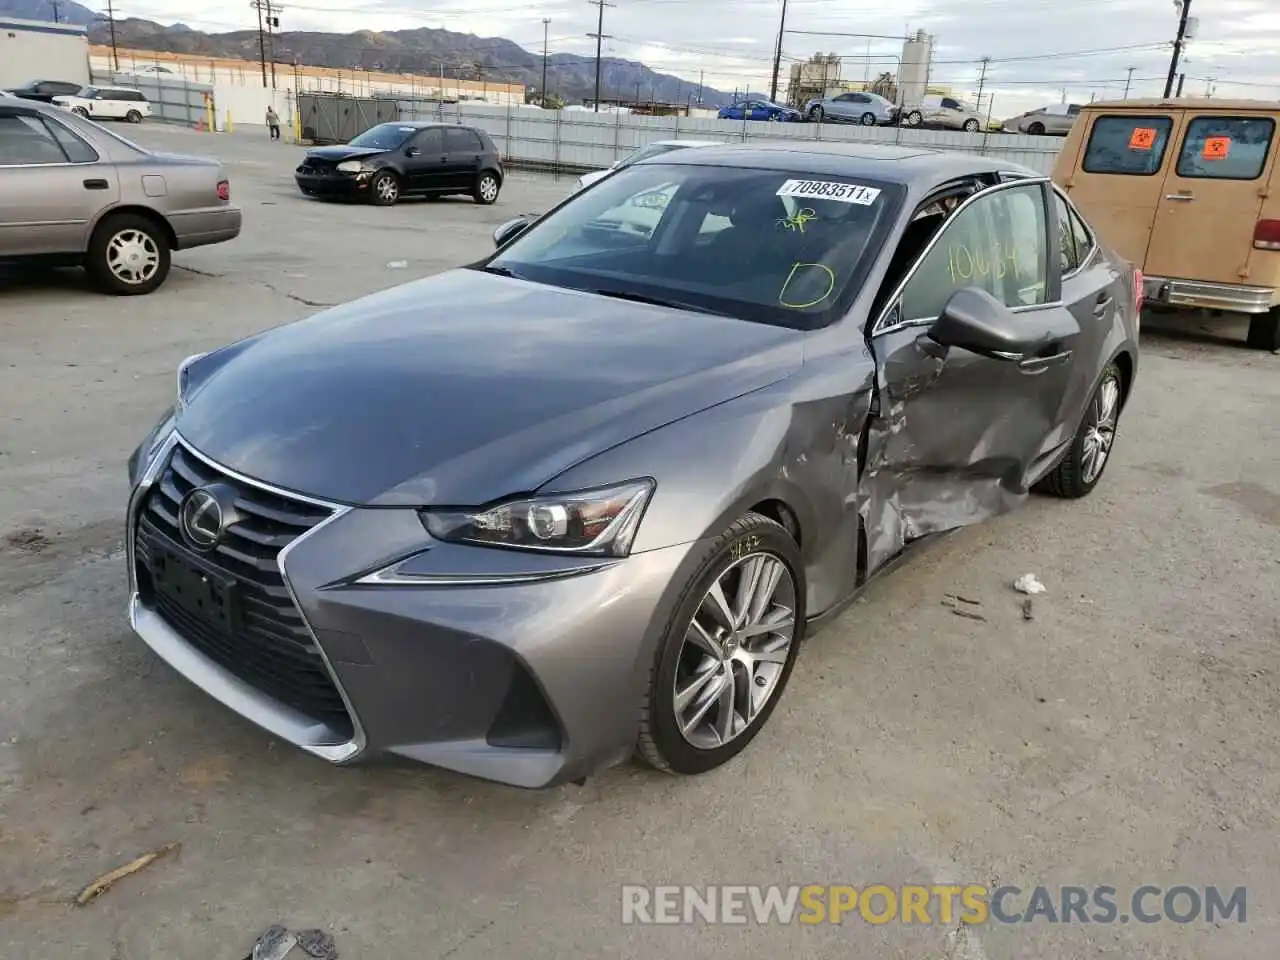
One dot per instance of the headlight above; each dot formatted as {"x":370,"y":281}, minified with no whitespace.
{"x":351,"y":166}
{"x":601,"y":522}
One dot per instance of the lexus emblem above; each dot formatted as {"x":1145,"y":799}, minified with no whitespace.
{"x":201,"y":517}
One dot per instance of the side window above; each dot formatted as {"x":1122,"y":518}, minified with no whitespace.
{"x":430,"y":142}
{"x":25,"y":140}
{"x":77,"y":150}
{"x":997,"y":244}
{"x":1070,"y":257}
{"x":457,"y":140}
{"x":1226,"y":148}
{"x":861,"y":98}
{"x":950,"y":104}
{"x":1084,"y":239}
{"x":1127,"y":145}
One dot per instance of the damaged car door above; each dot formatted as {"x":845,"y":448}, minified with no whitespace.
{"x":973,"y":357}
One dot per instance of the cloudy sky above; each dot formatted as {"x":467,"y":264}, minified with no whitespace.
{"x":1040,"y":51}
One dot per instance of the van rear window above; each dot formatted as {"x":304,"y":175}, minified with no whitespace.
{"x":1226,"y":148}
{"x":1127,"y":145}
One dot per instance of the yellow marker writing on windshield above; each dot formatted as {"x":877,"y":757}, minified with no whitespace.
{"x":831,"y":285}
{"x":798,"y":219}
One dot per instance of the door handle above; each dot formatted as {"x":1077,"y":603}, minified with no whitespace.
{"x":1100,"y":307}
{"x":1178,"y":196}
{"x":1040,"y":364}
{"x":97,"y":185}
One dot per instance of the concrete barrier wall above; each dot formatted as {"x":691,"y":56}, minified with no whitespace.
{"x":581,"y":140}
{"x":173,"y":101}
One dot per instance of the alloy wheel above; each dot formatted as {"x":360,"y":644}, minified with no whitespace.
{"x":132,"y":256}
{"x":387,"y":189}
{"x":488,"y":189}
{"x":735,"y":650}
{"x":1100,"y":428}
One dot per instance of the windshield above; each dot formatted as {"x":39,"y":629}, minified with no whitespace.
{"x":99,"y":128}
{"x":87,"y":92}
{"x":769,"y":246}
{"x":385,"y":136}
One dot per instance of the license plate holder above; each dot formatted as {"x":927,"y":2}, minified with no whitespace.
{"x":204,"y":593}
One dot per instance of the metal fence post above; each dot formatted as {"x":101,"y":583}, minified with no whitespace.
{"x":508,"y":151}
{"x":617,"y":134}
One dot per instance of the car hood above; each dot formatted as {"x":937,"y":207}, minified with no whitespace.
{"x":464,"y":387}
{"x":341,"y":152}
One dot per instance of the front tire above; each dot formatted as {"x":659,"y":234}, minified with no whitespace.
{"x":868,"y":119}
{"x":1090,"y":450}
{"x":384,"y":189}
{"x":128,"y":255}
{"x":914,"y":118}
{"x":487,"y":188}
{"x":725,"y":660}
{"x":971,"y":126}
{"x":80,"y":112}
{"x":1264,"y":330}
{"x":1036,"y":129}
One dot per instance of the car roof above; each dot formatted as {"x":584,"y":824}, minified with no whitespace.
{"x":895,"y":164}
{"x":427,"y":124}
{"x":684,"y":143}
{"x":1183,"y":103}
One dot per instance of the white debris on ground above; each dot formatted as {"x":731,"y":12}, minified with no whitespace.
{"x":1027,"y":583}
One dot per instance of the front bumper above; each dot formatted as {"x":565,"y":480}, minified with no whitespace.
{"x":526,"y":670}
{"x":333,"y":185}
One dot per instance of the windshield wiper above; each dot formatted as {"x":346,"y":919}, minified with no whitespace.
{"x":661,"y":302}
{"x":501,"y":271}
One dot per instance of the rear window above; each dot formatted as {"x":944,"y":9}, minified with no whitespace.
{"x":1127,"y":145}
{"x":1226,"y":148}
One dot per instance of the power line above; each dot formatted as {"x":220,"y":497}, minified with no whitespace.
{"x":600,"y":38}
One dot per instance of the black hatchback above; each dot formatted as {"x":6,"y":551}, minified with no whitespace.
{"x":394,"y":160}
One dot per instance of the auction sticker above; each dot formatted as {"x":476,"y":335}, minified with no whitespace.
{"x":830,"y":190}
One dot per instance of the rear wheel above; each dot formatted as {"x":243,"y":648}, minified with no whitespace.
{"x":868,"y":119}
{"x":128,"y":255}
{"x":1081,"y":469}
{"x":1264,"y":330}
{"x":384,"y":190}
{"x":487,"y":187}
{"x":728,"y":652}
{"x":133,"y":116}
{"x":914,"y":118}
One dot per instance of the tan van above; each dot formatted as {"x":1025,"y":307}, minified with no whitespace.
{"x":1189,"y":191}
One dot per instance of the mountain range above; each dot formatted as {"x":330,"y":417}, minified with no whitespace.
{"x":423,"y":51}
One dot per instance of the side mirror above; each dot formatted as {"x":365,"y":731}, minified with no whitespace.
{"x":974,"y":320}
{"x":614,"y":165}
{"x":508,"y":231}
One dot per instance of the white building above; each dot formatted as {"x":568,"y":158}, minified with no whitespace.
{"x":35,"y":50}
{"x":917,"y":58}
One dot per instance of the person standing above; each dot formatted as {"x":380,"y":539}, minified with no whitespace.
{"x":273,"y":122}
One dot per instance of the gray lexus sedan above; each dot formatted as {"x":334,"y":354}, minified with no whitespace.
{"x":581,"y":499}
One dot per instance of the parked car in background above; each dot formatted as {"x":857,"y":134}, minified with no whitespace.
{"x":72,"y":193}
{"x":1189,"y":191}
{"x":107,"y":103}
{"x":585,"y":498}
{"x":948,"y":113}
{"x":644,"y":153}
{"x":760,"y":110}
{"x":868,"y":109}
{"x":43,"y":91}
{"x":1056,"y":120}
{"x":395,"y":160}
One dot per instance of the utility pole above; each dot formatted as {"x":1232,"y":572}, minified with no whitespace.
{"x":600,"y":38}
{"x":542,"y":100}
{"x":273,"y":21}
{"x":700,"y":75}
{"x":262,"y":42}
{"x":111,"y":22}
{"x":982,"y":79}
{"x":55,"y":11}
{"x":1182,"y":78}
{"x":1128,"y":82}
{"x":1178,"y":43}
{"x":777,"y":54}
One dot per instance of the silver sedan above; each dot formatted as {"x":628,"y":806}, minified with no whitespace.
{"x":868,"y":109}
{"x":73,"y":193}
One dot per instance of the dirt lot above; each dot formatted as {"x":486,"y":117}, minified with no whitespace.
{"x":1127,"y":735}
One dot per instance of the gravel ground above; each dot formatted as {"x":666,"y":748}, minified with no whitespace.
{"x":1126,"y":735}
